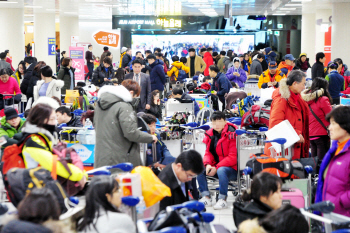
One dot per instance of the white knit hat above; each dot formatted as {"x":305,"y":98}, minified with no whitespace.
{"x":47,"y":100}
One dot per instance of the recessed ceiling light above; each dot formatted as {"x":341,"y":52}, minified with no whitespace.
{"x":28,"y":15}
{"x":287,"y":9}
{"x":297,"y":4}
{"x":71,"y":13}
{"x":8,"y":2}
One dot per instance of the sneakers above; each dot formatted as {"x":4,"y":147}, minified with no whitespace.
{"x":221,"y":204}
{"x":206,"y":201}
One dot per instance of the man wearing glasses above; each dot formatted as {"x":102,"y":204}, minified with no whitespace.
{"x":177,"y":175}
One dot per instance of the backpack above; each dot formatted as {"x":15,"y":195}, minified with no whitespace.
{"x":21,"y":181}
{"x":179,"y":118}
{"x":257,"y":116}
{"x":181,"y":76}
{"x":281,"y":167}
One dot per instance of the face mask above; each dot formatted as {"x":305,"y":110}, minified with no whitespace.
{"x":50,"y":128}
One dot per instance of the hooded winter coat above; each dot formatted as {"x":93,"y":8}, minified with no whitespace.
{"x":54,"y":89}
{"x":100,"y":74}
{"x":335,"y":187}
{"x":239,"y":80}
{"x":176,"y":66}
{"x":284,"y":108}
{"x":157,"y":75}
{"x":321,"y":108}
{"x":9,"y":131}
{"x":265,"y":78}
{"x":222,"y":64}
{"x":256,"y":68}
{"x":116,"y":128}
{"x":208,"y":59}
{"x":285,"y":68}
{"x":270,"y":55}
{"x":20,"y":226}
{"x":126,"y":60}
{"x":336,"y":84}
{"x":64,"y":74}
{"x":221,"y":85}
{"x":299,"y":64}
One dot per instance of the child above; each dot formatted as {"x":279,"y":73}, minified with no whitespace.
{"x":206,"y":83}
{"x":96,"y":62}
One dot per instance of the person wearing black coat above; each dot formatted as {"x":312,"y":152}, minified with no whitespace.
{"x":30,"y":64}
{"x":317,"y":69}
{"x":103,"y":73}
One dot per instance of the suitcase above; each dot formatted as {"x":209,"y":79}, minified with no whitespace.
{"x":293,"y":197}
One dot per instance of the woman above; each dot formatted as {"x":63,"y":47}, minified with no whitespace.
{"x":334,"y":180}
{"x":9,"y":59}
{"x":47,"y":86}
{"x":19,"y":73}
{"x":288,"y":105}
{"x":236,"y":73}
{"x":9,"y":86}
{"x":336,"y":82}
{"x":319,"y":101}
{"x":120,"y":75}
{"x":103,"y":198}
{"x":66,"y":73}
{"x":64,"y":55}
{"x":302,"y":63}
{"x":156,"y":107}
{"x":263,"y":196}
{"x":34,"y":79}
{"x":39,"y":212}
{"x":87,"y":115}
{"x":103,"y":73}
{"x":246,"y":64}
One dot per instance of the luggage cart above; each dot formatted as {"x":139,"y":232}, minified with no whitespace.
{"x":173,"y":105}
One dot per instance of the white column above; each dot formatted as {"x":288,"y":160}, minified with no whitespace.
{"x":308,"y":36}
{"x":44,"y":28}
{"x":324,"y":15}
{"x":341,"y":32}
{"x":69,"y":26}
{"x":12,"y":31}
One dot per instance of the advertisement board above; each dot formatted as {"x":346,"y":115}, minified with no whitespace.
{"x":107,"y":38}
{"x":77,"y":55}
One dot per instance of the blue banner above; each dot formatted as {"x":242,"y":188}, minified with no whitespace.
{"x":52,"y":46}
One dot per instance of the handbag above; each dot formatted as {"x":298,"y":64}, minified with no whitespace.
{"x":319,"y":120}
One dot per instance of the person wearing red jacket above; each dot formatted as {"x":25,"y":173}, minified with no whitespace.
{"x":220,"y":159}
{"x":208,"y":59}
{"x":9,"y":59}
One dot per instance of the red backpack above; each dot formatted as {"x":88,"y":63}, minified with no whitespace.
{"x":257,"y":116}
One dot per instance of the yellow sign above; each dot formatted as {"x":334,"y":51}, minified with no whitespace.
{"x":169,"y":23}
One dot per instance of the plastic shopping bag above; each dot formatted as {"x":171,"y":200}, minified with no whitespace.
{"x":153,"y":190}
{"x":71,"y":95}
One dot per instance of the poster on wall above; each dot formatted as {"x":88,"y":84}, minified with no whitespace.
{"x":74,"y":40}
{"x":107,"y":38}
{"x":51,"y":46}
{"x":77,"y":55}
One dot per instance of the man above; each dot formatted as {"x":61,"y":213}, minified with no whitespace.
{"x":177,"y":175}
{"x":270,"y":55}
{"x":157,"y":50}
{"x":65,"y":116}
{"x":220,"y":159}
{"x":103,"y":73}
{"x":122,"y":54}
{"x":11,"y":126}
{"x":216,"y":57}
{"x":157,"y":73}
{"x":287,"y":65}
{"x":208,"y":59}
{"x":145,"y":83}
{"x":30,"y":63}
{"x":4,"y":64}
{"x":127,"y":58}
{"x":138,"y":56}
{"x":89,"y":62}
{"x":256,"y":68}
{"x":148,"y":52}
{"x":163,"y":155}
{"x":202,"y":51}
{"x":317,"y":69}
{"x":160,"y":57}
{"x":221,"y":85}
{"x":179,"y":94}
{"x":271,"y":77}
{"x":104,"y":54}
{"x":195,"y":63}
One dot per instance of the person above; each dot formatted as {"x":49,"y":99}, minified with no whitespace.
{"x":288,"y":105}
{"x":336,"y":82}
{"x":177,"y":175}
{"x":286,"y":66}
{"x":216,"y":57}
{"x":4,"y":64}
{"x":303,"y":62}
{"x":66,"y":73}
{"x":127,"y":58}
{"x":221,"y":85}
{"x":87,"y":115}
{"x":176,"y":66}
{"x":30,"y":63}
{"x":271,"y":77}
{"x":103,"y":198}
{"x":334,"y":171}
{"x":317,"y":69}
{"x":47,"y":86}
{"x":104,"y":54}
{"x":9,"y":59}
{"x":208,"y":59}
{"x":119,"y":75}
{"x":163,"y":154}
{"x":343,"y":71}
{"x":11,"y":126}
{"x":96,"y":62}
{"x":65,"y":116}
{"x":122,"y":135}
{"x":179,"y":94}
{"x":263,"y":196}
{"x":195,"y":63}
{"x":270,"y":55}
{"x":246,"y":64}
{"x":34,"y":79}
{"x":206,"y":83}
{"x":156,"y":107}
{"x":89,"y":57}
{"x":39,"y":211}
{"x":9,"y":86}
{"x":64,"y":55}
{"x":103,"y":73}
{"x":159,"y":56}
{"x":221,"y":62}
{"x":236,"y":73}
{"x":157,"y":74}
{"x":287,"y":219}
{"x":145,"y":83}
{"x":220,"y":159}
{"x":319,"y":101}
{"x":122,"y":54}
{"x":256,"y":68}
{"x":19,"y":73}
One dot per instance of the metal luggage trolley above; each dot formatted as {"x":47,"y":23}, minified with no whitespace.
{"x":173,"y":105}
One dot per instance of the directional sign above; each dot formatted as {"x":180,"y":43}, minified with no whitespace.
{"x":52,"y":46}
{"x":107,"y":38}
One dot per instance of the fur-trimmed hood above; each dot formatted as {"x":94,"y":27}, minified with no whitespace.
{"x":251,"y":226}
{"x":311,"y":96}
{"x":33,"y":129}
{"x":283,"y":90}
{"x":109,"y":95}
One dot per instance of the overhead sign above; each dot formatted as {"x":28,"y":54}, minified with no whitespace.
{"x":163,"y":22}
{"x":51,"y":46}
{"x":169,"y":23}
{"x":77,"y":55}
{"x":107,"y":38}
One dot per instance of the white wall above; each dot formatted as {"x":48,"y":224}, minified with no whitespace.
{"x":86,"y":31}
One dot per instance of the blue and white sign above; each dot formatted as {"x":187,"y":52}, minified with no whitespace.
{"x":52,"y":46}
{"x":86,"y":153}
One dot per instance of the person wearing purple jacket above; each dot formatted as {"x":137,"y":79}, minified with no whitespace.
{"x":334,"y":176}
{"x":236,"y":73}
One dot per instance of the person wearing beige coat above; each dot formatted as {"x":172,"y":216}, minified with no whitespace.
{"x":197,"y":63}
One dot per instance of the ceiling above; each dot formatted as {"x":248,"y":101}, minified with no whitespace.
{"x":104,"y":9}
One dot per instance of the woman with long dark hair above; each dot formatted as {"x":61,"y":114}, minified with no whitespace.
{"x":319,"y":101}
{"x":156,"y":108}
{"x":103,"y":199}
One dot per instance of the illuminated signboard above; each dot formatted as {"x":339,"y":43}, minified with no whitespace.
{"x":166,"y":23}
{"x":169,"y":23}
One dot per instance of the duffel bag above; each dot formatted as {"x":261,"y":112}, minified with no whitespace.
{"x":257,"y":115}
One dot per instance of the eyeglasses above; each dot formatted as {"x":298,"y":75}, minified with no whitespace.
{"x":189,"y":176}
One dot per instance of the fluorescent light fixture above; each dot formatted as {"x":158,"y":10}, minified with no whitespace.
{"x":85,"y":15}
{"x":197,"y":1}
{"x":287,"y":9}
{"x":291,"y":4}
{"x":53,"y":10}
{"x":33,"y":7}
{"x":279,"y":14}
{"x":28,"y":15}
{"x":8,"y":2}
{"x":71,"y":13}
{"x":301,"y":0}
{"x":205,"y":6}
{"x":108,"y":5}
{"x":167,"y":30}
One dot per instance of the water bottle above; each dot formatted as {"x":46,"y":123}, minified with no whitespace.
{"x":140,"y":208}
{"x":88,"y":124}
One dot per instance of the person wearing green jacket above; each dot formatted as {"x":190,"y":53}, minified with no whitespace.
{"x":11,"y":126}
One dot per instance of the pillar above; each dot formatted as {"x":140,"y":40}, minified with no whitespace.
{"x":341,"y":32}
{"x":44,"y":28}
{"x":69,"y":26}
{"x":308,"y":36}
{"x":323,"y":15}
{"x":12,"y":33}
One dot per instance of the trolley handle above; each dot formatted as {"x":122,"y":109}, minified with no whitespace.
{"x":99,"y":172}
{"x":122,"y":166}
{"x":130,"y":201}
{"x":205,"y":217}
{"x":191,"y":205}
{"x":324,"y":207}
{"x":247,"y":170}
{"x":280,"y":141}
